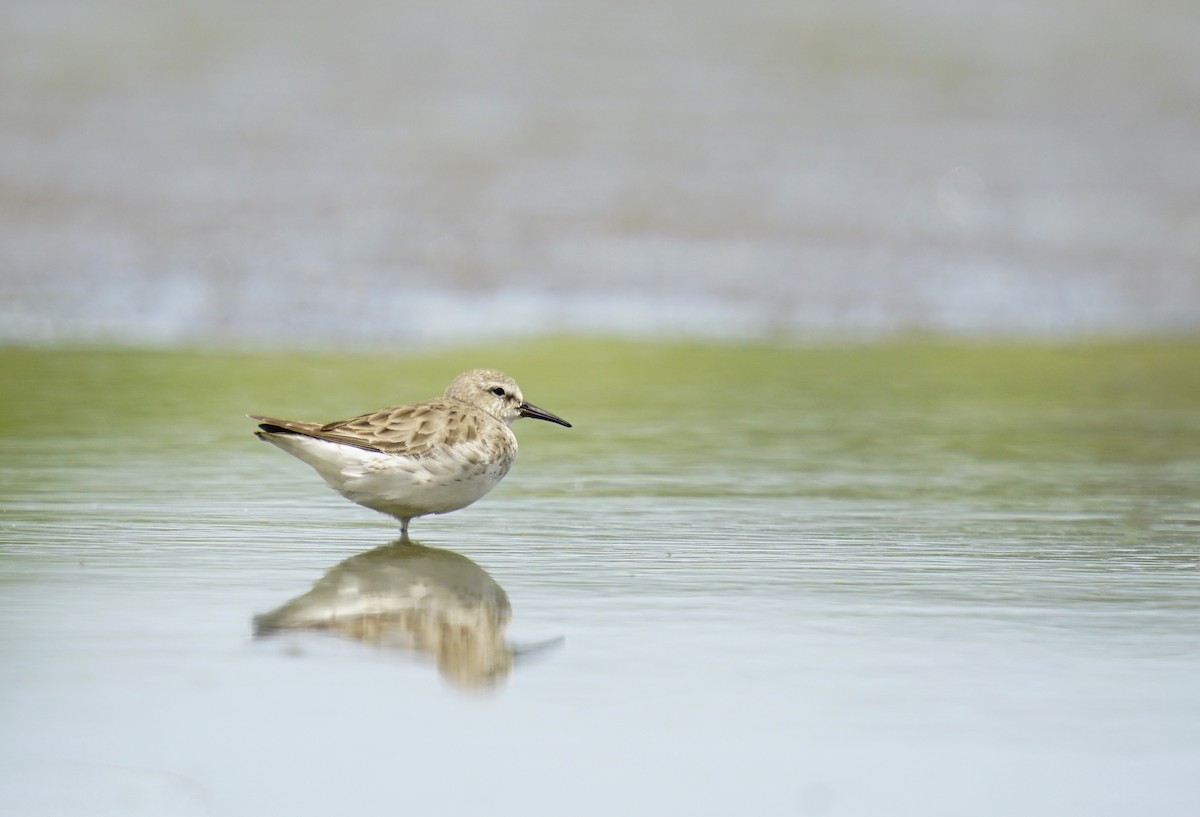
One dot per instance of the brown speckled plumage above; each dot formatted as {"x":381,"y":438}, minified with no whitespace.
{"x":430,"y":457}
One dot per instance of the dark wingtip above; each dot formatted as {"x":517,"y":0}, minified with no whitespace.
{"x":264,"y":625}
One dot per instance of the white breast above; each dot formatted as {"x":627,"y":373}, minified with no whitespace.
{"x":404,"y":487}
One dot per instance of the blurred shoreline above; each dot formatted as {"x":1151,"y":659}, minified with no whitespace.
{"x":398,"y":173}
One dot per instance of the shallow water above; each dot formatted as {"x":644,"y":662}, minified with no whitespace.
{"x":903,"y":579}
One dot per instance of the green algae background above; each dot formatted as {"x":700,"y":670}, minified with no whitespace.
{"x":912,"y":374}
{"x":910,"y":408}
{"x":1092,"y":388}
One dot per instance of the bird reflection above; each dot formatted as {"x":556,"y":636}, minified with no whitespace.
{"x":404,"y":595}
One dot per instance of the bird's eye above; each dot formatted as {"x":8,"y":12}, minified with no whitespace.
{"x":498,"y":391}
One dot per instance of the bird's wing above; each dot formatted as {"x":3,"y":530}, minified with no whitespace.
{"x":412,"y":430}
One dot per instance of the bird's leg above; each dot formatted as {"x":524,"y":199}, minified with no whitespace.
{"x":404,"y":530}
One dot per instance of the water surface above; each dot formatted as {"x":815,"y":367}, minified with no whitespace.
{"x":904,"y":579}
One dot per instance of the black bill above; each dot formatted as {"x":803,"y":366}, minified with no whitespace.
{"x":530,"y":410}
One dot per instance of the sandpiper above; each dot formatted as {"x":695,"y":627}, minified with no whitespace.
{"x":425,"y":458}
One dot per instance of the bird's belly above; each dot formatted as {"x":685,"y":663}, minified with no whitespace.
{"x":405,"y":487}
{"x":400,"y":486}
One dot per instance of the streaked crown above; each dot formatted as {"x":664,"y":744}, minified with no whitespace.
{"x":490,"y":391}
